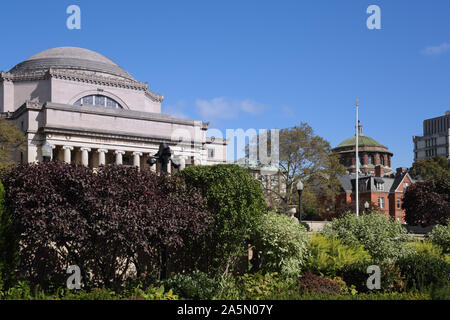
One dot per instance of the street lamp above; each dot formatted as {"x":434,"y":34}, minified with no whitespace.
{"x":366,"y":206}
{"x":299,"y":190}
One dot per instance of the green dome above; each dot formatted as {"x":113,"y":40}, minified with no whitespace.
{"x":362,"y":141}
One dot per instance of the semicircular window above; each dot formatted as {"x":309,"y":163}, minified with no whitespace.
{"x":98,"y":100}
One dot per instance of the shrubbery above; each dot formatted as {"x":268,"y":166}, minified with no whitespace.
{"x":104,"y":222}
{"x":440,"y":235}
{"x":383,"y":238}
{"x":196,"y":285}
{"x":329,"y":255}
{"x":421,"y":271}
{"x":283,"y":244}
{"x":236,"y":203}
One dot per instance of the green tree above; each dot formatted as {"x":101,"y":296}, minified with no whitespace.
{"x":11,"y":140}
{"x":307,"y":157}
{"x":430,"y":168}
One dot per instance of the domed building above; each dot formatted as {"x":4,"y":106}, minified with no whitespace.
{"x":377,"y":183}
{"x":373,"y":156}
{"x":93,"y":112}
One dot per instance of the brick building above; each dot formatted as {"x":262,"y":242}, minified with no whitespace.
{"x":378,"y":184}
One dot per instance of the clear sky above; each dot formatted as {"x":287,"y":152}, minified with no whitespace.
{"x":264,"y":64}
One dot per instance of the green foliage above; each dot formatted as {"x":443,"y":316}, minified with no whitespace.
{"x":427,"y":248}
{"x":440,"y":293}
{"x":196,"y":285}
{"x":261,"y":287}
{"x":236,"y":203}
{"x":440,"y":235}
{"x":153,"y":293}
{"x":331,"y":255}
{"x":383,"y":238}
{"x":8,"y":245}
{"x":12,"y":140}
{"x":356,"y":275}
{"x":430,"y":168}
{"x":283,"y":244}
{"x":421,"y":270}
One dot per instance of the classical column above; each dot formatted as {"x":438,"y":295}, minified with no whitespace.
{"x":119,"y":154}
{"x":137,"y":159}
{"x":101,"y":157}
{"x":153,"y":167}
{"x":67,"y":149}
{"x":85,"y":156}
{"x":182,"y":163}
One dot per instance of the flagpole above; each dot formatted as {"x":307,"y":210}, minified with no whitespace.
{"x":357,"y":161}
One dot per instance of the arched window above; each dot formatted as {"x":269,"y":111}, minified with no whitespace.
{"x":98,"y":100}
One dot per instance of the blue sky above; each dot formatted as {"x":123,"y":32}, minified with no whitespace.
{"x":264,"y":64}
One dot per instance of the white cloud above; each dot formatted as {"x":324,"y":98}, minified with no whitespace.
{"x":222,"y":108}
{"x":287,"y":111}
{"x":176,"y":110}
{"x":436,"y":50}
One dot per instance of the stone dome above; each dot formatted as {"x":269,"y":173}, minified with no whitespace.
{"x":71,"y":58}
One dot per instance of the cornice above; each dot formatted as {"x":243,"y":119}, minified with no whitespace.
{"x":81,"y":76}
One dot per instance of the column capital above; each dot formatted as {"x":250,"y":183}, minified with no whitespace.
{"x":119,"y":151}
{"x":137,"y":153}
{"x":67,"y":147}
{"x":85,"y":149}
{"x":102,"y":150}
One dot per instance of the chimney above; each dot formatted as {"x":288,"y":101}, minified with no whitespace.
{"x":378,"y":171}
{"x":401,"y":170}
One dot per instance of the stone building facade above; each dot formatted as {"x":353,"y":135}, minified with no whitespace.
{"x":435,"y":140}
{"x":93,"y":112}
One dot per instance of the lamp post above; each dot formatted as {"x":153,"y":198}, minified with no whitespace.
{"x":299,"y":190}
{"x":366,"y":206}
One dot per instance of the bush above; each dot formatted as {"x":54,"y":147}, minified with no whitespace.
{"x":356,"y":275}
{"x":236,"y":203}
{"x":421,"y":271}
{"x":261,"y":287}
{"x":427,"y":248}
{"x":440,"y":235}
{"x":329,"y":255}
{"x":105,"y":222}
{"x":196,"y":285}
{"x":8,"y":245}
{"x":427,"y":203}
{"x":311,"y":283}
{"x":283,"y":244}
{"x":383,"y":238}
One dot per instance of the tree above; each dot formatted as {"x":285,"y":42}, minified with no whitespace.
{"x":307,"y":157}
{"x":236,"y":203}
{"x":106,"y":222}
{"x":11,"y":140}
{"x":428,"y":203}
{"x":430,"y":168}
